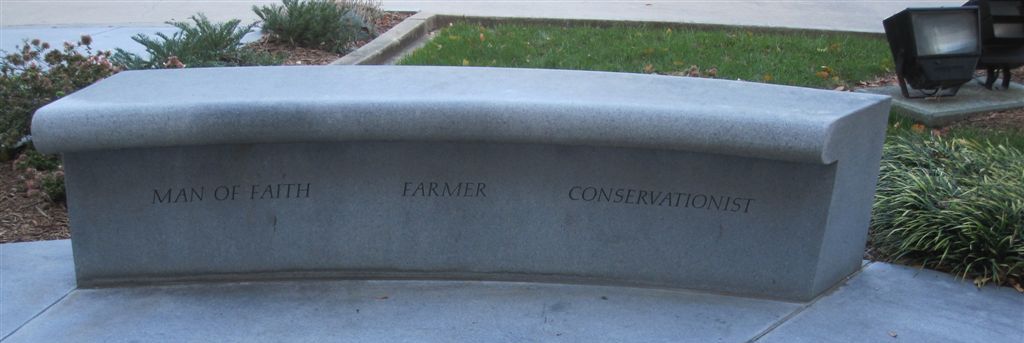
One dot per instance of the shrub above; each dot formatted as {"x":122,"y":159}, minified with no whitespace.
{"x":42,"y":174}
{"x":327,"y":25}
{"x":35,"y":160}
{"x":53,"y":186}
{"x":36,"y":75}
{"x":197,"y":44}
{"x":952,"y":205}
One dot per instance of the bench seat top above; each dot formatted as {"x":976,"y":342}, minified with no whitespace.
{"x":253,"y":105}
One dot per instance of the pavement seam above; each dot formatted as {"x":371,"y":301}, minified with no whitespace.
{"x":801,"y":309}
{"x":39,"y":314}
{"x":108,"y":29}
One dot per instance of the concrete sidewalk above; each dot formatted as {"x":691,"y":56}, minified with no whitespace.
{"x":114,"y":22}
{"x":827,"y":15}
{"x":881,"y":303}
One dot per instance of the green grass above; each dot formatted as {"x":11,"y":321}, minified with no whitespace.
{"x":791,"y":58}
{"x":821,"y":60}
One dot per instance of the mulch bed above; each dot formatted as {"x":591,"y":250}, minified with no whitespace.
{"x":1002,"y":120}
{"x":295,"y":55}
{"x":26,"y":218}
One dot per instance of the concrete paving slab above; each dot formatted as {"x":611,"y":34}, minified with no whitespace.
{"x":126,"y":13}
{"x":883,"y":303}
{"x":33,"y":276}
{"x":892,"y":303}
{"x":104,"y":38}
{"x":399,"y":311}
{"x":971,"y":99}
{"x":865,"y":16}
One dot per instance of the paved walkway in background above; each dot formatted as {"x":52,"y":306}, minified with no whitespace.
{"x":114,"y":22}
{"x":853,"y":15}
{"x":881,"y":303}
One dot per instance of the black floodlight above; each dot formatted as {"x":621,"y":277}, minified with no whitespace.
{"x":935,"y":49}
{"x":1002,"y":37}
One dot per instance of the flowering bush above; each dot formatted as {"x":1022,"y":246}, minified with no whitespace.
{"x":42,"y":174}
{"x":37,"y":74}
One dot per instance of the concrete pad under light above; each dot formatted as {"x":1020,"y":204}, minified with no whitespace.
{"x":971,"y":99}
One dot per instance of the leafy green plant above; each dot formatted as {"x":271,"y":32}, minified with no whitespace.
{"x":37,"y":74}
{"x":953,"y":205}
{"x":196,"y":44}
{"x":327,"y":25}
{"x":42,"y":174}
{"x":38,"y":161}
{"x":53,"y":186}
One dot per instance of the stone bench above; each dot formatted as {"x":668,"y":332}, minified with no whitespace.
{"x":466,"y":173}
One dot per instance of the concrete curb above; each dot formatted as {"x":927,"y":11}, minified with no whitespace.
{"x":393,"y":42}
{"x":414,"y":31}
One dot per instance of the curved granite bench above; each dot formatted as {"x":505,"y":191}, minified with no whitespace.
{"x":466,"y":173}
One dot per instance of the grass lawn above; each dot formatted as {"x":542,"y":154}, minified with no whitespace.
{"x":818,"y":60}
{"x":796,"y":58}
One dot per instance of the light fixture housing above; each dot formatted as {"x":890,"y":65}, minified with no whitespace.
{"x":935,"y":50}
{"x":1002,"y":38}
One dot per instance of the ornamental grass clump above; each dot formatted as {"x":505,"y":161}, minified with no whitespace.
{"x":200,"y":43}
{"x":953,"y":205}
{"x":327,"y":25}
